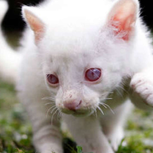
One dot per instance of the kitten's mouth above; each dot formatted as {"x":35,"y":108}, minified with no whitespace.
{"x":78,"y":113}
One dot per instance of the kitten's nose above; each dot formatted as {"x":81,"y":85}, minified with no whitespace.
{"x":72,"y":105}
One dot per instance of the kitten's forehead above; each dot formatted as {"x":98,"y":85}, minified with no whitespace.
{"x":70,"y":64}
{"x":70,"y":43}
{"x":71,"y":18}
{"x":74,"y":29}
{"x":67,"y":61}
{"x":72,"y":11}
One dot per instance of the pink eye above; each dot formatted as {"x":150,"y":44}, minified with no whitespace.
{"x":52,"y":79}
{"x":93,"y":74}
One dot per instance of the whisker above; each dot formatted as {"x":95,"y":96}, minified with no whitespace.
{"x":122,"y":87}
{"x":95,"y":112}
{"x":52,"y":116}
{"x":59,"y":113}
{"x":50,"y":109}
{"x":49,"y":98}
{"x":105,"y":93}
{"x":109,"y":107}
{"x":108,"y":98}
{"x":56,"y":110}
{"x":53,"y":110}
{"x":100,"y":110}
{"x":50,"y":103}
{"x":103,"y":105}
{"x":105,"y":99}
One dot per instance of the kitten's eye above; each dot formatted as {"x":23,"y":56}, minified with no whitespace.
{"x":52,"y":79}
{"x":93,"y":74}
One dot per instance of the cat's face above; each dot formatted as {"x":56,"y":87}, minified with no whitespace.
{"x":84,"y":54}
{"x":82,"y":70}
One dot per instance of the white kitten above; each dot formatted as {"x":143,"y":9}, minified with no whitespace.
{"x":79,"y":57}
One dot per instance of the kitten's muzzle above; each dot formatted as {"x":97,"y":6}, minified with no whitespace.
{"x":72,"y":105}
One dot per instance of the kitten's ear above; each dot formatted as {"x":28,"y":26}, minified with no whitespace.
{"x":34,"y":22}
{"x":122,"y":18}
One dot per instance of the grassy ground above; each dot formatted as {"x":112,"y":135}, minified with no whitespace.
{"x":15,"y":130}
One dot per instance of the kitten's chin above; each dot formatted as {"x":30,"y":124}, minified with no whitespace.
{"x":78,"y":113}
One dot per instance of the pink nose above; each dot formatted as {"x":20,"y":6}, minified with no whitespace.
{"x":73,"y":105}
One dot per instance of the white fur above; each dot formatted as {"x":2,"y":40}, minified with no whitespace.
{"x":76,"y":38}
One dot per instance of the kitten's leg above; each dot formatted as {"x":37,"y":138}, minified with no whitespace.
{"x":47,"y":137}
{"x":46,"y":133}
{"x":87,"y":133}
{"x":142,"y":89}
{"x":42,"y":112}
{"x":46,"y":130}
{"x":112,"y":124}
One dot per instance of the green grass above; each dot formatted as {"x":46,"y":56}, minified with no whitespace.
{"x":15,"y":130}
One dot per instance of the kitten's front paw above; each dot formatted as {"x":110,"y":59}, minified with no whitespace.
{"x":142,"y":84}
{"x":116,"y":137}
{"x":48,"y":149}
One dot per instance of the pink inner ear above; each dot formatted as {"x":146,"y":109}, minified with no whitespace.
{"x":123,"y":26}
{"x":124,"y":18}
{"x":36,"y":25}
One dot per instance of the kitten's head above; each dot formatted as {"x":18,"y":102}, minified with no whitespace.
{"x":84,"y":56}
